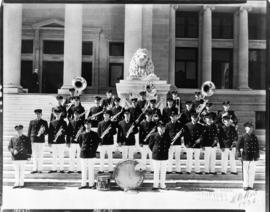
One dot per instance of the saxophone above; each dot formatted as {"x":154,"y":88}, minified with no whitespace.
{"x":41,"y":131}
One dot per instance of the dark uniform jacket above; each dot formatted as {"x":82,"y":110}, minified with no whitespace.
{"x":142,"y":103}
{"x":106,"y":102}
{"x":72,"y":129}
{"x":116,"y":110}
{"x":228,"y":137}
{"x":193,"y":132}
{"x":186,"y":116}
{"x":144,"y":128}
{"x":210,"y":135}
{"x":93,"y":111}
{"x":108,"y":138}
{"x":135,"y":112}
{"x":88,"y":142}
{"x":250,"y":145}
{"x":23,"y":146}
{"x":155,"y":111}
{"x":159,"y":145}
{"x":33,"y":129}
{"x":230,"y":113}
{"x":167,"y":112}
{"x":80,"y":109}
{"x":123,"y":128}
{"x":63,"y":111}
{"x":172,"y":129}
{"x":54,"y":127}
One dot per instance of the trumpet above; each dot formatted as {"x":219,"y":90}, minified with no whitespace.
{"x":58,"y":134}
{"x":41,"y":131}
{"x":106,"y":131}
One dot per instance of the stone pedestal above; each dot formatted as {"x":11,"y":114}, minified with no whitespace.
{"x":135,"y":86}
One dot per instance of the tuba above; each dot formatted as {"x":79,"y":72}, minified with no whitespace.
{"x":79,"y":83}
{"x":207,"y":89}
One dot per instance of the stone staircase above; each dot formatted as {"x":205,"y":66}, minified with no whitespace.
{"x":18,"y":109}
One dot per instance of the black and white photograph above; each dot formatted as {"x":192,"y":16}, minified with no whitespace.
{"x":146,"y":106}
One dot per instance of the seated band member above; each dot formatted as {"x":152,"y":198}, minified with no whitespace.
{"x":142,"y":101}
{"x":88,"y":142}
{"x":77,"y":106}
{"x":193,"y":142}
{"x":248,"y":148}
{"x":126,"y":136}
{"x":146,"y":128}
{"x":135,"y":110}
{"x":94,"y":110}
{"x":60,"y":105}
{"x":210,"y":140}
{"x":57,"y":140}
{"x":186,"y":115}
{"x":108,"y":103}
{"x":166,"y":113}
{"x":20,"y":149}
{"x":173,"y":128}
{"x":117,"y":110}
{"x":227,"y":112}
{"x":106,"y":131}
{"x":37,"y":130}
{"x":159,"y":143}
{"x":229,"y":139}
{"x":74,"y":129}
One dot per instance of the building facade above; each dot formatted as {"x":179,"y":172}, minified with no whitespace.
{"x":46,"y":46}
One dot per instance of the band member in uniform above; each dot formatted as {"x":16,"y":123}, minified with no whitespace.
{"x":37,"y":130}
{"x":60,"y":106}
{"x":210,"y":140}
{"x":193,"y":142}
{"x":166,"y":113}
{"x":74,"y":129}
{"x":159,"y":143}
{"x":57,"y":140}
{"x":248,"y":148}
{"x":108,"y":103}
{"x":153,"y":108}
{"x":106,"y":131}
{"x":77,"y":106}
{"x":20,"y":149}
{"x":142,"y":101}
{"x":198,"y":100}
{"x":175,"y":131}
{"x":70,"y":96}
{"x":135,"y":110}
{"x":117,"y":110}
{"x":227,"y":112}
{"x":126,"y":136}
{"x":186,"y":116}
{"x":88,"y":142}
{"x":146,"y":128}
{"x":208,"y":109}
{"x":96,"y":109}
{"x":229,"y":139}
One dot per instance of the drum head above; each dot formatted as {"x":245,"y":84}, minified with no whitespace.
{"x":126,"y":175}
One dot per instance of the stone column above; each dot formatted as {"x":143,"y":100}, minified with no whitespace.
{"x":242,"y":80}
{"x":12,"y":48}
{"x":72,"y":45}
{"x":133,"y":33}
{"x":206,"y":43}
{"x":172,"y":45}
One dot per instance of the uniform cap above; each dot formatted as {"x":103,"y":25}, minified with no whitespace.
{"x":209,"y":104}
{"x":174,"y":113}
{"x":226,"y":103}
{"x":160,"y":124}
{"x":98,"y":98}
{"x":71,"y":89}
{"x":153,"y":101}
{"x":248,"y":124}
{"x":18,"y":127}
{"x":109,"y":112}
{"x":142,"y":93}
{"x":37,"y":111}
{"x":117,"y":99}
{"x":169,"y":99}
{"x":134,"y":99}
{"x":59,"y":97}
{"x":226,"y":118}
{"x":188,"y":102}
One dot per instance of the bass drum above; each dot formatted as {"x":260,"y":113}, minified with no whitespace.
{"x":129,"y":174}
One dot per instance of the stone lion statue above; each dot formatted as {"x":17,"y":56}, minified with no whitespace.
{"x":141,"y":65}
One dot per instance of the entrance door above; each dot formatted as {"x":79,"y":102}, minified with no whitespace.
{"x":52,"y":76}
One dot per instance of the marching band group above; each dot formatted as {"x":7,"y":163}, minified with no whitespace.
{"x":162,"y":135}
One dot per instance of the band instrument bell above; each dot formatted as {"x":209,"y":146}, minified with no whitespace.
{"x":79,"y":83}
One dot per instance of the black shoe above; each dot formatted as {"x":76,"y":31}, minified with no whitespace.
{"x":169,"y":172}
{"x":21,"y":186}
{"x":83,"y":187}
{"x":206,"y":173}
{"x":14,"y":187}
{"x":155,"y":189}
{"x":34,"y":172}
{"x":100,"y":172}
{"x":188,"y":173}
{"x":39,"y":172}
{"x":152,"y":172}
{"x":214,"y":173}
{"x":223,"y":173}
{"x":62,"y":171}
{"x":249,"y":188}
{"x":52,"y":171}
{"x":79,"y":172}
{"x":92,"y":187}
{"x":235,"y":173}
{"x":179,"y":173}
{"x":165,"y":188}
{"x":110,"y":172}
{"x":245,"y":188}
{"x":69,"y":172}
{"x":198,"y":173}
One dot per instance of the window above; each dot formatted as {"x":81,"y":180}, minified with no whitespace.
{"x":26,"y":75}
{"x":116,"y":72}
{"x":256,"y":75}
{"x":256,"y":26}
{"x":222,"y":25}
{"x":187,"y":24}
{"x":116,"y":49}
{"x":260,"y":120}
{"x":186,"y":67}
{"x":53,"y":47}
{"x":87,"y":72}
{"x":27,"y":46}
{"x":87,"y":48}
{"x":222,"y":68}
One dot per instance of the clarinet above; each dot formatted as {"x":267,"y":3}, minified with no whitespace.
{"x":58,"y":134}
{"x":78,"y":133}
{"x":106,"y":131}
{"x":116,"y":115}
{"x":177,"y":136}
{"x":41,"y":131}
{"x":149,"y":134}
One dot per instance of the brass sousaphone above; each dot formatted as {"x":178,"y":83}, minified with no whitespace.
{"x":207,"y":89}
{"x":79,"y":83}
